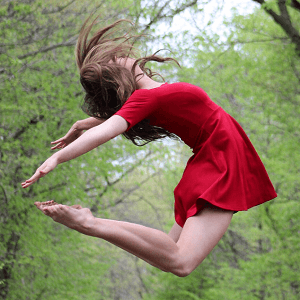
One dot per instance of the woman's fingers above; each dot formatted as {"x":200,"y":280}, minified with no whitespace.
{"x":37,"y":175}
{"x":32,"y":179}
{"x":27,"y":183}
{"x":71,"y":136}
{"x":58,"y":141}
{"x":56,"y":147}
{"x":60,"y":145}
{"x":44,"y":169}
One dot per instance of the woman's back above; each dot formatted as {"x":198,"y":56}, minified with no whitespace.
{"x":180,"y":108}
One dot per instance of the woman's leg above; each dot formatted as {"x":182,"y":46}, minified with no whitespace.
{"x":199,"y":236}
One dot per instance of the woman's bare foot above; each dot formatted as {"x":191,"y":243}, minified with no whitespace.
{"x":42,"y":205}
{"x":76,"y":217}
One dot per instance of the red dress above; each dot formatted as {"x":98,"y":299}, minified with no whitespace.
{"x":225,"y":169}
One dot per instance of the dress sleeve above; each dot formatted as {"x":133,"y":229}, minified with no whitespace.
{"x":140,"y":105}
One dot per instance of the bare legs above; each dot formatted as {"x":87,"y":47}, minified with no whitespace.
{"x":180,"y":252}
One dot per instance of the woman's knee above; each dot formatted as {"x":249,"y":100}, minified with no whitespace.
{"x":183,"y":266}
{"x":199,"y":236}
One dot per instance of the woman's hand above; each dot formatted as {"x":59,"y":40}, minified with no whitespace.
{"x":91,"y":139}
{"x":74,"y":133}
{"x":44,"y":169}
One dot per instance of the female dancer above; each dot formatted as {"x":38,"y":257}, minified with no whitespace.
{"x":224,"y":175}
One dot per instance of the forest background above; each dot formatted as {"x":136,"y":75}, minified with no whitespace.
{"x":248,"y":62}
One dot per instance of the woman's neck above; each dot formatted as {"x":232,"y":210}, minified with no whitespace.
{"x":147,"y":83}
{"x":144,"y":82}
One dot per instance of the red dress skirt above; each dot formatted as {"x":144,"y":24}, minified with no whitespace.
{"x":225,"y":169}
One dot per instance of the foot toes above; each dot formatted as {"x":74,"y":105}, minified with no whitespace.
{"x":39,"y":205}
{"x":50,"y":203}
{"x":77,"y":206}
{"x":63,"y":207}
{"x":49,"y":210}
{"x":46,"y":211}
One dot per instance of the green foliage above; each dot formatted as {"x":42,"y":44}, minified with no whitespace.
{"x":252,"y":72}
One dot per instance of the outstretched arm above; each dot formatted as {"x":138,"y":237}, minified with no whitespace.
{"x":76,"y":131}
{"x":88,"y":123}
{"x":91,"y":139}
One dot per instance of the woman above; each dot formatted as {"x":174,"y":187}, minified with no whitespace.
{"x":223,"y":176}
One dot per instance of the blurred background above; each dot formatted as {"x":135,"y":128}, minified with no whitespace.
{"x":244,"y":54}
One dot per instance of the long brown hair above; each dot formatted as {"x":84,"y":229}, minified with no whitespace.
{"x":108,"y":84}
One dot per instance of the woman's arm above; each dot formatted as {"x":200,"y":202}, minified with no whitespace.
{"x":93,"y":138}
{"x":89,"y":140}
{"x":88,"y":123}
{"x":76,"y":131}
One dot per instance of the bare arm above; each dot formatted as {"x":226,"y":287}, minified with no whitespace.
{"x":76,"y":131}
{"x":93,"y":138}
{"x":89,"y":140}
{"x":88,"y":123}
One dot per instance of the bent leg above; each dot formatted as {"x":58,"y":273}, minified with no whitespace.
{"x":199,"y":236}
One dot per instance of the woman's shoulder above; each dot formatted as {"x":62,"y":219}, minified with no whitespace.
{"x":167,"y":90}
{"x":184,"y":85}
{"x":168,"y":86}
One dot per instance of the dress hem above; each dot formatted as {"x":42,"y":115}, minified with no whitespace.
{"x":199,"y":205}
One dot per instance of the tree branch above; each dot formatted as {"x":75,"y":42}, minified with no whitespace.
{"x":57,"y":9}
{"x":94,"y":207}
{"x":70,"y":42}
{"x":159,"y":16}
{"x":295,"y":4}
{"x":33,"y":121}
{"x":284,"y":21}
{"x":284,"y":12}
{"x":126,"y":172}
{"x":133,"y":189}
{"x":182,"y":8}
{"x":261,"y":41}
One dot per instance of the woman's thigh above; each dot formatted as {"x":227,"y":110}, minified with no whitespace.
{"x":201,"y":233}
